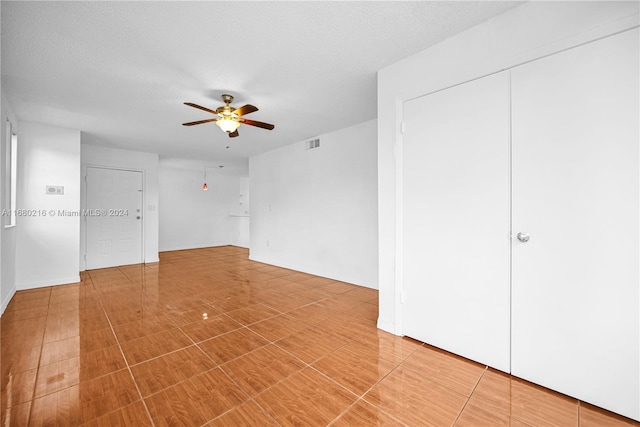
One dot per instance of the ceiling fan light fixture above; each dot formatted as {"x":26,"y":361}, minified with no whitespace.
{"x":229,"y":118}
{"x":227,"y":124}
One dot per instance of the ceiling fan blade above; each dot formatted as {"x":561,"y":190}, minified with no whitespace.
{"x":199,"y":122}
{"x":258,"y":124}
{"x":246,"y":109}
{"x":191,"y":104}
{"x":234,"y":134}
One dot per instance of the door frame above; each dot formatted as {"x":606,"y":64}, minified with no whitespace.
{"x":83,"y":203}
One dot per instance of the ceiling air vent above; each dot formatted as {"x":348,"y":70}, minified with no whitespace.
{"x":314,"y":143}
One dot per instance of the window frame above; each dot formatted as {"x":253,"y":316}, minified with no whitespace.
{"x":10,"y":176}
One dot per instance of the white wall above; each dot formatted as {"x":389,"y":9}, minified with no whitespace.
{"x":93,"y":155}
{"x":7,"y":235}
{"x":47,"y":244}
{"x":193,"y":218}
{"x":530,"y":31}
{"x":316,"y":210}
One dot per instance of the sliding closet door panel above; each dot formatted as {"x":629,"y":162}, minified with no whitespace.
{"x":575,"y":299}
{"x":455,"y":220}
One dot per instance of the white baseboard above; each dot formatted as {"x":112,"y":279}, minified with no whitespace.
{"x":7,"y":300}
{"x":51,"y":282}
{"x":187,"y":246}
{"x":315,"y":272}
{"x":387,"y":326}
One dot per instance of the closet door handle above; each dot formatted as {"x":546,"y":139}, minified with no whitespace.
{"x":523,"y":237}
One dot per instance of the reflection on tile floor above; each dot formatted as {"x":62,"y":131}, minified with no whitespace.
{"x":207,"y":337}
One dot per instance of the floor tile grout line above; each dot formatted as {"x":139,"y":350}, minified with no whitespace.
{"x":221,"y":366}
{"x":128,"y":367}
{"x":257,"y":321}
{"x":306,"y":365}
{"x":297,"y":357}
{"x":194,"y":344}
{"x":35,"y":382}
{"x":262,"y":336}
{"x":366,"y":402}
{"x":362,"y":396}
{"x":34,"y":396}
{"x":179,"y":382}
{"x":486,"y":368}
{"x":384,"y":411}
{"x":251,"y":399}
{"x":264,"y":410}
{"x":347,"y":409}
{"x":579,"y":414}
{"x":335,"y":382}
{"x":216,"y":364}
{"x":358,"y":397}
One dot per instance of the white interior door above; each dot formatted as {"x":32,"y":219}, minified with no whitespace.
{"x":113,"y":217}
{"x":575,"y":299}
{"x":455,"y":220}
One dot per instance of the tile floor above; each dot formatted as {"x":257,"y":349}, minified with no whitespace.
{"x":207,"y":337}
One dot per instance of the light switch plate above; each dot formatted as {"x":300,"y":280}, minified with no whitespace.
{"x":55,"y":190}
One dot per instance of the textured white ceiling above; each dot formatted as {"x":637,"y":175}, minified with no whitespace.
{"x":120,"y":71}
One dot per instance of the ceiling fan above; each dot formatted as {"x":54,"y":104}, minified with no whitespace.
{"x":229,"y":118}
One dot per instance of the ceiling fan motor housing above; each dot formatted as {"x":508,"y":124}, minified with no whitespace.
{"x":227,"y":110}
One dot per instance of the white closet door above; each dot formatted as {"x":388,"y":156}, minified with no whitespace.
{"x":455,"y":220}
{"x":575,"y":299}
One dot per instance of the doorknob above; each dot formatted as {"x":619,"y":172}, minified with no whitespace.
{"x":523,"y":237}
{"x":137,"y":217}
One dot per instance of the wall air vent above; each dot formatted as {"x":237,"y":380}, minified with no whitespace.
{"x":314,"y":143}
